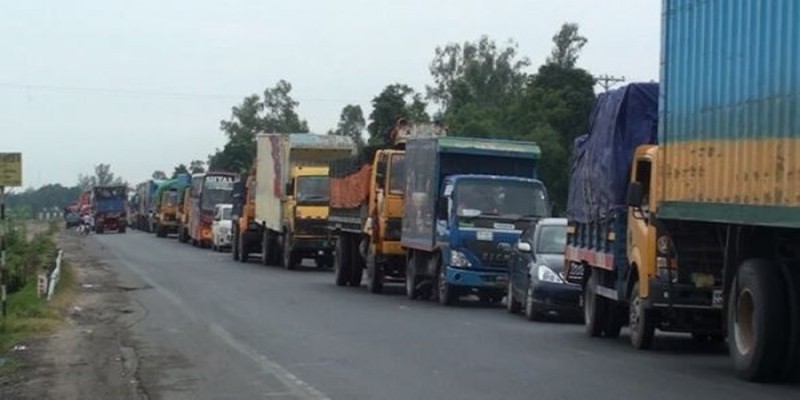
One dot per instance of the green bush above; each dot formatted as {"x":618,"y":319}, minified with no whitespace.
{"x":26,"y":258}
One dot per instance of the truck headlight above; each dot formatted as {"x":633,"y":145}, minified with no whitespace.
{"x":545,"y":274}
{"x":459,"y":259}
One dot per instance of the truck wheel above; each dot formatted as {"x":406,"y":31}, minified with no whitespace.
{"x":244,"y":249}
{"x":267,"y":248}
{"x":594,"y":308}
{"x":757,"y":321}
{"x":121,"y":229}
{"x":341,"y":261}
{"x":289,"y":259}
{"x":512,"y":305}
{"x":641,"y":321}
{"x":374,"y":272}
{"x":235,"y":244}
{"x":356,"y":264}
{"x":412,"y":281}
{"x":446,"y":293}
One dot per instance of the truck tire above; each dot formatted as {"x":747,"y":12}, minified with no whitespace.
{"x":289,"y":259}
{"x":244,"y":249}
{"x":412,"y":281}
{"x":267,"y":248}
{"x":640,"y":320}
{"x":121,"y":229}
{"x":374,"y":272}
{"x":235,"y":243}
{"x":356,"y":263}
{"x":512,"y":305}
{"x":757,"y":321}
{"x":341,"y":261}
{"x":446,"y":293}
{"x":594,"y":308}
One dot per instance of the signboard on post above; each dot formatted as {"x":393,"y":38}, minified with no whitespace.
{"x":10,"y":169}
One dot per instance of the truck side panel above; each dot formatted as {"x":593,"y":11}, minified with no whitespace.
{"x":422,"y":184}
{"x":272,"y":171}
{"x":349,"y":193}
{"x":729,"y":124}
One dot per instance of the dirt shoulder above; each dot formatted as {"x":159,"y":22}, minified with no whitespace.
{"x":90,"y":356}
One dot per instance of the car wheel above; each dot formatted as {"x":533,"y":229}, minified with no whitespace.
{"x":532,"y":312}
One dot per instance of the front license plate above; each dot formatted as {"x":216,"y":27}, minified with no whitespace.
{"x":716,"y":298}
{"x":486,"y":236}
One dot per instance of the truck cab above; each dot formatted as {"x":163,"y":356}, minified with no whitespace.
{"x":110,"y":209}
{"x":479,"y":218}
{"x":166,"y":212}
{"x":246,"y":234}
{"x":306,"y":216}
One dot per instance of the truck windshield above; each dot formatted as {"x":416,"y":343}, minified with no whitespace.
{"x":313,"y":189}
{"x":552,"y":239}
{"x":170,"y":198}
{"x":109,"y":192}
{"x":226,"y":213}
{"x":216,"y":189}
{"x":397,"y":180}
{"x":500,"y":198}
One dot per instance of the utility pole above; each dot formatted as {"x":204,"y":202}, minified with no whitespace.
{"x":607,"y":81}
{"x":10,"y":175}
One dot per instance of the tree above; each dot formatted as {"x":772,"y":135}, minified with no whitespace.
{"x":159,"y":175}
{"x":476,"y":84}
{"x":568,"y":45}
{"x":47,"y":197}
{"x":180,"y":169}
{"x":276,"y":113}
{"x":102,"y":177}
{"x":351,"y":124}
{"x":394,"y":102}
{"x":197,"y":167}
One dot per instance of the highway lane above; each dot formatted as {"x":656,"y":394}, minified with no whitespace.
{"x":210,"y":327}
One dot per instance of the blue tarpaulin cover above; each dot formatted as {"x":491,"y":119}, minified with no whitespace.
{"x":621,"y":120}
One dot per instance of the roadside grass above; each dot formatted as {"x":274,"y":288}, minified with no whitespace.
{"x":29,"y":316}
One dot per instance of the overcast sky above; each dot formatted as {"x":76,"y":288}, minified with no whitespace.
{"x":143,"y":85}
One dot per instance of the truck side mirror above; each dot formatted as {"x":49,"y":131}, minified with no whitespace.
{"x":635,"y":195}
{"x":524,"y":247}
{"x":290,"y":188}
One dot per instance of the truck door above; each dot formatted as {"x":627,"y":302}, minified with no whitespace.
{"x":641,"y":233}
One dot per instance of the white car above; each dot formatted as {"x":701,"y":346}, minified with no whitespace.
{"x":221,"y":227}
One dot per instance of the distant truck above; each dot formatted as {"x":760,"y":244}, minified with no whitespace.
{"x":367,"y":209}
{"x":145,"y":207}
{"x":185,"y":206}
{"x":466,"y":202}
{"x":109,"y":204}
{"x":208,"y":189}
{"x":713,"y":209}
{"x":166,"y":204}
{"x":289,"y":196}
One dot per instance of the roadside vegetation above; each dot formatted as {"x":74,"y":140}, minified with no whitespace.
{"x":30,"y":249}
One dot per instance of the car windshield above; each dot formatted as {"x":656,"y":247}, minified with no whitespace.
{"x":503,"y":198}
{"x":313,"y":189}
{"x":552,"y":239}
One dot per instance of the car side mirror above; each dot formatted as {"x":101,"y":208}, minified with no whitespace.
{"x":524,"y":247}
{"x":635,"y":195}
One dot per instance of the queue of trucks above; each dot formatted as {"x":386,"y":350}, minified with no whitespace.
{"x":682,"y":212}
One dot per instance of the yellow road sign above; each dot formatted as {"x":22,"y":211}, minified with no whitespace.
{"x":10,"y":169}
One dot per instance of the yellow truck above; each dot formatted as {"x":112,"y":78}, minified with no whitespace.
{"x":167,"y":203}
{"x":288,"y":198}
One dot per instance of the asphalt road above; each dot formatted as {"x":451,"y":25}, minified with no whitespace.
{"x":213,"y":328}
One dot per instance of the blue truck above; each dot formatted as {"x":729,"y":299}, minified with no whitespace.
{"x":467,"y":201}
{"x":110,"y":208}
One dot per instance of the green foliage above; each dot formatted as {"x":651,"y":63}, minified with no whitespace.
{"x":197,"y":167}
{"x":30,"y":202}
{"x":394,"y":102}
{"x":25,"y":258}
{"x":275,"y":113}
{"x":159,"y":175}
{"x":568,"y":45}
{"x":102,"y":177}
{"x":485,"y":91}
{"x":179,"y":169}
{"x":351,"y":124}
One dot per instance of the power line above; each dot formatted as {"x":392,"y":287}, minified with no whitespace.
{"x":144,"y":93}
{"x":607,"y":81}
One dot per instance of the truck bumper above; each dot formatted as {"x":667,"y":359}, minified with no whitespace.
{"x":685,"y":308}
{"x":480,"y":279}
{"x":313,"y":245}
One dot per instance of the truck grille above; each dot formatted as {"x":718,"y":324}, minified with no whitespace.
{"x":491,"y":254}
{"x":311,"y":226}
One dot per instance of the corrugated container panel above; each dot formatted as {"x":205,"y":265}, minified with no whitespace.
{"x":729,"y":121}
